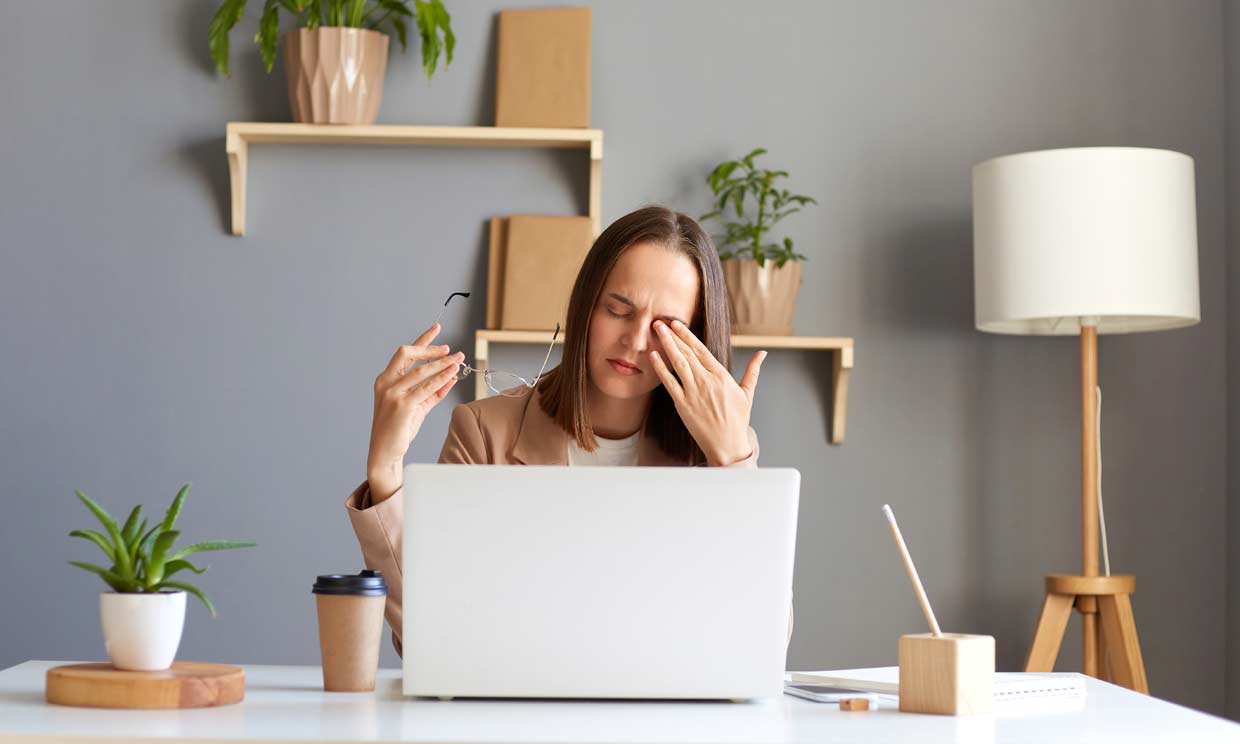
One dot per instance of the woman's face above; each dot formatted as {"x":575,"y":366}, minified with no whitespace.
{"x":648,"y":283}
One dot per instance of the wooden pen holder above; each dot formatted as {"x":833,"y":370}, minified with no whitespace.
{"x":952,"y":674}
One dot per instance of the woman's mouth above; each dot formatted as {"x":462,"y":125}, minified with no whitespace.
{"x":623,"y":367}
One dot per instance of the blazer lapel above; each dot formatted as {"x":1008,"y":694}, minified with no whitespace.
{"x":540,"y":440}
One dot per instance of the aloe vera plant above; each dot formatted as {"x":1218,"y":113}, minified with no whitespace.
{"x":143,"y":560}
{"x":432,"y":19}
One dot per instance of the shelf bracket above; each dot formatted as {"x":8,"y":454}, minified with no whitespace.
{"x":841,"y":370}
{"x":238,"y":155}
{"x":596,"y":184}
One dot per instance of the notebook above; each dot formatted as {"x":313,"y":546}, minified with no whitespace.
{"x":1008,"y":685}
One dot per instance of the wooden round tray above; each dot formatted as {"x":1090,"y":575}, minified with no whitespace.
{"x":188,"y":684}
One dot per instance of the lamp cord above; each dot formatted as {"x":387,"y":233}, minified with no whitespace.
{"x":1102,"y":519}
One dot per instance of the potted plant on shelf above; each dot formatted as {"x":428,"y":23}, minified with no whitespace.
{"x":762,"y":277}
{"x":337,"y":56}
{"x":144,"y":613}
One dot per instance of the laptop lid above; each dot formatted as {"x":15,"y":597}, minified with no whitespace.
{"x":539,"y":581}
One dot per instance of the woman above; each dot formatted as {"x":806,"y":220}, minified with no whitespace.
{"x":644,"y":380}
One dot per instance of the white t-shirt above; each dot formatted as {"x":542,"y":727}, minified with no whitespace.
{"x":609,"y":452}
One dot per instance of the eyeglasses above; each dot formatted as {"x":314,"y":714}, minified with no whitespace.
{"x":506,"y":384}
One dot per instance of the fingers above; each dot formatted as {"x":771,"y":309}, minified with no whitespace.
{"x":439,"y":394}
{"x":666,"y":376}
{"x":440,"y":368}
{"x":435,"y":387}
{"x":749,"y":382}
{"x":695,"y":345}
{"x":427,"y":336}
{"x":678,"y":353}
{"x":405,"y":356}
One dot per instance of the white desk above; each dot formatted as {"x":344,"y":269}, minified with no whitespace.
{"x":288,"y":704}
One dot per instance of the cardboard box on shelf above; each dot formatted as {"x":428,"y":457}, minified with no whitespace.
{"x":543,"y":68}
{"x":533,"y":264}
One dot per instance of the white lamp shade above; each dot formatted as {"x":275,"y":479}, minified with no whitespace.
{"x":1103,"y":233}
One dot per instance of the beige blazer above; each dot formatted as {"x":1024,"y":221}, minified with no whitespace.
{"x":491,"y":431}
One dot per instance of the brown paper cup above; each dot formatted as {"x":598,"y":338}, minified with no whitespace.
{"x":350,"y":631}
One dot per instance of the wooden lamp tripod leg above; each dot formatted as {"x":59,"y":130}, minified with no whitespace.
{"x":1046,"y":639}
{"x":1120,"y":632}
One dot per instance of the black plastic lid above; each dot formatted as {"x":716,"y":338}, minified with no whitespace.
{"x":365,"y":584}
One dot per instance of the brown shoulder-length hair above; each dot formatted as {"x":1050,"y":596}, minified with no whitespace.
{"x":564,"y":388}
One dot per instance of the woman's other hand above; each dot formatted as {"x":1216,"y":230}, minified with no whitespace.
{"x":417,"y":378}
{"x":713,"y":406}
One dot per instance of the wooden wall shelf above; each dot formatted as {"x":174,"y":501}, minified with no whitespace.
{"x":841,"y":349}
{"x":241,"y":133}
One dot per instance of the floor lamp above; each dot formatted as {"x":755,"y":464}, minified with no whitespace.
{"x":1086,"y":241}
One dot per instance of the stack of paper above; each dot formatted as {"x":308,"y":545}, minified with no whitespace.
{"x":1009,"y":686}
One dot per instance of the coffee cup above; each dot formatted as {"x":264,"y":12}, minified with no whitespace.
{"x":350,"y":609}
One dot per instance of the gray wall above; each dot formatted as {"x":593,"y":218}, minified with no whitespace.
{"x":1231,"y":12}
{"x":144,"y":346}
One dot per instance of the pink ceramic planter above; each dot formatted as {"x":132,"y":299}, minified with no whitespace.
{"x":763,"y":299}
{"x":335,"y":75}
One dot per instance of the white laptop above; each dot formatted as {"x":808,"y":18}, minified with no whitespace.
{"x":591,"y":582}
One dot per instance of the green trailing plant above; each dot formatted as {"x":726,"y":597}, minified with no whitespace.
{"x":143,"y":560}
{"x":741,"y":187}
{"x":431,"y":18}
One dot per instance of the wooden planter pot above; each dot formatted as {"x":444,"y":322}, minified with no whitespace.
{"x":335,"y":75}
{"x":763,"y":299}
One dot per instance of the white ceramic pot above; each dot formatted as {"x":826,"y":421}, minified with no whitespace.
{"x":142,"y":631}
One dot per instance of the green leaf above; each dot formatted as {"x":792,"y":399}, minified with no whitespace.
{"x":192,"y":590}
{"x":402,"y":32}
{"x":353,"y":16}
{"x":118,"y":583}
{"x":444,"y":21}
{"x":212,"y":545}
{"x":171,"y":567}
{"x":720,"y":174}
{"x":425,"y":17}
{"x":433,"y":22}
{"x":748,"y":159}
{"x":136,"y":543}
{"x":174,"y":511}
{"x":227,"y":16}
{"x":268,"y":37}
{"x":144,"y":543}
{"x":122,"y":556}
{"x":98,"y":539}
{"x":128,"y":532}
{"x":159,"y":552}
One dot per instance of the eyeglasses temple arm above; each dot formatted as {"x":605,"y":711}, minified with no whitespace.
{"x":548,"y":357}
{"x":445,"y":305}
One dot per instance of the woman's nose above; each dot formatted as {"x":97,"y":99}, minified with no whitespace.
{"x":639,"y":337}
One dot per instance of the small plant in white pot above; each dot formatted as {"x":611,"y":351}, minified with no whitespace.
{"x":144,"y":613}
{"x":762,"y":277}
